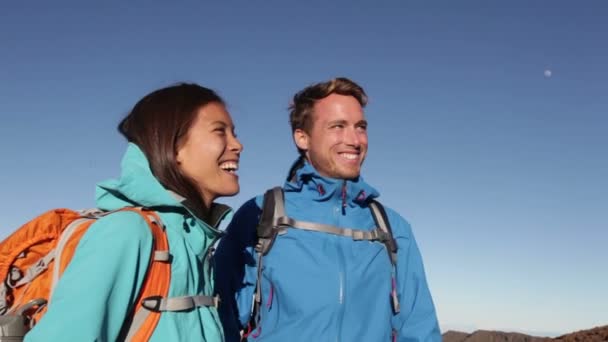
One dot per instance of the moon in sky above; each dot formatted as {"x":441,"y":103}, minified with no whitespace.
{"x":548,"y":73}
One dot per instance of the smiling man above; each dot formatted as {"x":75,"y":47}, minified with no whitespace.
{"x":320,"y":259}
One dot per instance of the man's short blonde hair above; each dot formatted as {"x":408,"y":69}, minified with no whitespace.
{"x":301,"y":109}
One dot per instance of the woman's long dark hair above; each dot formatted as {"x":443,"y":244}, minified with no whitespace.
{"x":159,"y":124}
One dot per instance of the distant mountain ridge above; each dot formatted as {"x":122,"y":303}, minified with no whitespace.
{"x":598,"y":334}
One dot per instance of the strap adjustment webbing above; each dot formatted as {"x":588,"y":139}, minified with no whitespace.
{"x":356,"y":234}
{"x":159,"y":304}
{"x":31,"y":273}
{"x":162,"y":256}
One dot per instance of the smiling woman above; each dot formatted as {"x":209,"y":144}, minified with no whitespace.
{"x":210,"y":154}
{"x":186,"y":132}
{"x":182,"y":155}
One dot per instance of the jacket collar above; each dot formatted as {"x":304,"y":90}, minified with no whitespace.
{"x":137,"y":186}
{"x":305,"y":179}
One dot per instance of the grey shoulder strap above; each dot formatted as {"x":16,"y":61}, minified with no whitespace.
{"x":355,"y":234}
{"x":379,"y":214}
{"x":383,"y":224}
{"x":273,"y":208}
{"x":273,"y":221}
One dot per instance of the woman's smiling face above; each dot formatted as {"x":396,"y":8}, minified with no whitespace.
{"x":209,"y":156}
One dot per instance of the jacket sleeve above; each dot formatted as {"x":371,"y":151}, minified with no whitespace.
{"x":235,"y":270}
{"x":417,"y":319}
{"x":99,"y":287}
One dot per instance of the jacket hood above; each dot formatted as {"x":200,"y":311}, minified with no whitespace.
{"x":305,"y":178}
{"x":137,"y":186}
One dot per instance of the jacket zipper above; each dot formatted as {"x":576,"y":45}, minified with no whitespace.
{"x":341,"y":264}
{"x":344,"y":198}
{"x":341,"y":309}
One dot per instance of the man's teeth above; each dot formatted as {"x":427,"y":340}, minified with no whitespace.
{"x":350,"y":156}
{"x":229,"y":166}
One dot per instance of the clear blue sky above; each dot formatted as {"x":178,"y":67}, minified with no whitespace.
{"x":501,"y":171}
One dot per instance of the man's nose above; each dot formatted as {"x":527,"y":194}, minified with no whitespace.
{"x":351,"y":136}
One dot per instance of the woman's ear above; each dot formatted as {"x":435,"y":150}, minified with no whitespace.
{"x":179,"y":156}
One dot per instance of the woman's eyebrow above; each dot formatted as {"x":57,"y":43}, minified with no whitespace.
{"x":223,"y":124}
{"x":219,"y":122}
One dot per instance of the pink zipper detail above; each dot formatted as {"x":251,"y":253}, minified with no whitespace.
{"x":257,"y":332}
{"x":344,"y":195}
{"x":320,"y":189}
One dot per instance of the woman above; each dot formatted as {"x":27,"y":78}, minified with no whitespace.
{"x":182,"y":155}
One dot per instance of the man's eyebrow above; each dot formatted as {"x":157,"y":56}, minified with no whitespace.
{"x":361,"y":123}
{"x":340,"y":121}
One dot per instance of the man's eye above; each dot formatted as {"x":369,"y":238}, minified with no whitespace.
{"x":337,"y":126}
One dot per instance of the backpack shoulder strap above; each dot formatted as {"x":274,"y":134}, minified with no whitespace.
{"x":153,"y":298}
{"x":381,"y":219}
{"x":273,"y":220}
{"x":273,"y":208}
{"x":156,"y":282}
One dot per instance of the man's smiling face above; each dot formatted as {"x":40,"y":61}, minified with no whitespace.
{"x":337,"y":142}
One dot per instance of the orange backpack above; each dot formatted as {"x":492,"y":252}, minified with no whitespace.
{"x":33,"y":258}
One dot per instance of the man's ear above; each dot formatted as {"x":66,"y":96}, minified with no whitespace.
{"x":301,"y":139}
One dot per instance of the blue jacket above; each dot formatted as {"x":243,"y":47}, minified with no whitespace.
{"x":321,"y":287}
{"x":99,"y":287}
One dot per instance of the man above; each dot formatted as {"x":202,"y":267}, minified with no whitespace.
{"x":315,"y":285}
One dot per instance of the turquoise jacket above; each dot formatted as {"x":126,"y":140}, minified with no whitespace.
{"x":323,"y":287}
{"x":99,"y":288}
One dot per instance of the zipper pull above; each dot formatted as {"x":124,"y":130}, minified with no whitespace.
{"x":395,"y":299}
